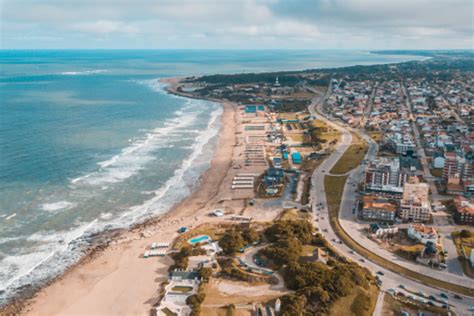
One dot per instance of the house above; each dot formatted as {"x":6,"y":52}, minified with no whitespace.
{"x":179,"y":275}
{"x":422,"y":233}
{"x":378,"y":209}
{"x":464,"y":210}
{"x":429,"y":256}
{"x":383,"y":229}
{"x":415,"y":205}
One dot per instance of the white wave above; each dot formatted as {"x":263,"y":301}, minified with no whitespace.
{"x":163,"y":198}
{"x":52,"y":207}
{"x":85,"y":72}
{"x":106,"y":216}
{"x":55,"y":247}
{"x":8,"y":239}
{"x":10,"y":216}
{"x":139,"y":153}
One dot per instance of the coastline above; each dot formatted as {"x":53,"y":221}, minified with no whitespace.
{"x":112,"y":272}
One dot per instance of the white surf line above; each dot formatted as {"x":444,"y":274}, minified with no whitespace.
{"x":11,"y":216}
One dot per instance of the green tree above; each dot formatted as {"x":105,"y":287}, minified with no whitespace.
{"x":250,"y":235}
{"x":231,"y":242}
{"x":465,"y":233}
{"x":205,"y":273}
{"x":293,"y":305}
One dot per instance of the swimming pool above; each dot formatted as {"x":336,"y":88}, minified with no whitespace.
{"x":199,"y":239}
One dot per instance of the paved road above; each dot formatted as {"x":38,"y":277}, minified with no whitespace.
{"x":318,"y":197}
{"x":440,"y":219}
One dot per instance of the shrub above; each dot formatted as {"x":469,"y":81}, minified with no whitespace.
{"x":231,"y":242}
{"x":465,"y":234}
{"x":205,"y":274}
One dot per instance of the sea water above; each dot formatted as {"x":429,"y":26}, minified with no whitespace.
{"x":90,"y":141}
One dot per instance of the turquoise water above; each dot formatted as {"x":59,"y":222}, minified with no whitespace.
{"x":199,"y":239}
{"x":89,"y":141}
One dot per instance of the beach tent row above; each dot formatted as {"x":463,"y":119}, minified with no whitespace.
{"x":157,"y":245}
{"x":154,"y":253}
{"x":243,"y":181}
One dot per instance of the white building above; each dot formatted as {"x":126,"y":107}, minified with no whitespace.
{"x":423,"y":233}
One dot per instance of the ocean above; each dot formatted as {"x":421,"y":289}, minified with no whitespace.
{"x":90,"y":141}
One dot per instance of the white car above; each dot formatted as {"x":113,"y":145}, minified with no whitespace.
{"x":218,"y":213}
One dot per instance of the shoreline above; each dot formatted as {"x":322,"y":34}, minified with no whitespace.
{"x":98,"y":263}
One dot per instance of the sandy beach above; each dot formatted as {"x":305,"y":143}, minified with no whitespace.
{"x":118,"y":280}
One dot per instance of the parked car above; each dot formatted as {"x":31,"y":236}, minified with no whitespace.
{"x":380,"y":273}
{"x":443,"y":295}
{"x":456,"y":296}
{"x":218,"y":213}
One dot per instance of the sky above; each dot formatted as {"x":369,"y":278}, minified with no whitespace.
{"x":231,"y":24}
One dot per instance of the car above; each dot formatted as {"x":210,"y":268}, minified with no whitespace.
{"x":443,"y":295}
{"x":380,"y":273}
{"x":471,"y":309}
{"x":431,"y":303}
{"x":401,"y":294}
{"x":352,"y":251}
{"x":217,"y":213}
{"x":182,"y":230}
{"x":362,"y":260}
{"x":411,"y":297}
{"x":446,"y":306}
{"x":391,"y":291}
{"x":401,"y":286}
{"x":420,"y":293}
{"x":456,"y":296}
{"x":431,"y":297}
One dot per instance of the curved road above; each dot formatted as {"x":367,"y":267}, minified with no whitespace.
{"x":318,"y":197}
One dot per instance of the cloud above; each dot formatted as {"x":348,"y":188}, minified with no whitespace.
{"x":365,"y":24}
{"x":106,"y":27}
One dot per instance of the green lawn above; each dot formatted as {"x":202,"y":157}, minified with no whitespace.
{"x":467,"y":245}
{"x":352,"y":157}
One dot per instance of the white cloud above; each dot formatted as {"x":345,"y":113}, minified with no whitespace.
{"x":241,"y":24}
{"x":106,"y":27}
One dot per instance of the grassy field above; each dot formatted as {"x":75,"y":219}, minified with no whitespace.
{"x":376,"y":135}
{"x":293,"y":214}
{"x":352,"y":157}
{"x":325,"y":133}
{"x":464,"y":247}
{"x":334,"y":187}
{"x":436,"y":172}
{"x":360,"y":302}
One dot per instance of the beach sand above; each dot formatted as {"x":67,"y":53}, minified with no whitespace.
{"x":118,"y":280}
